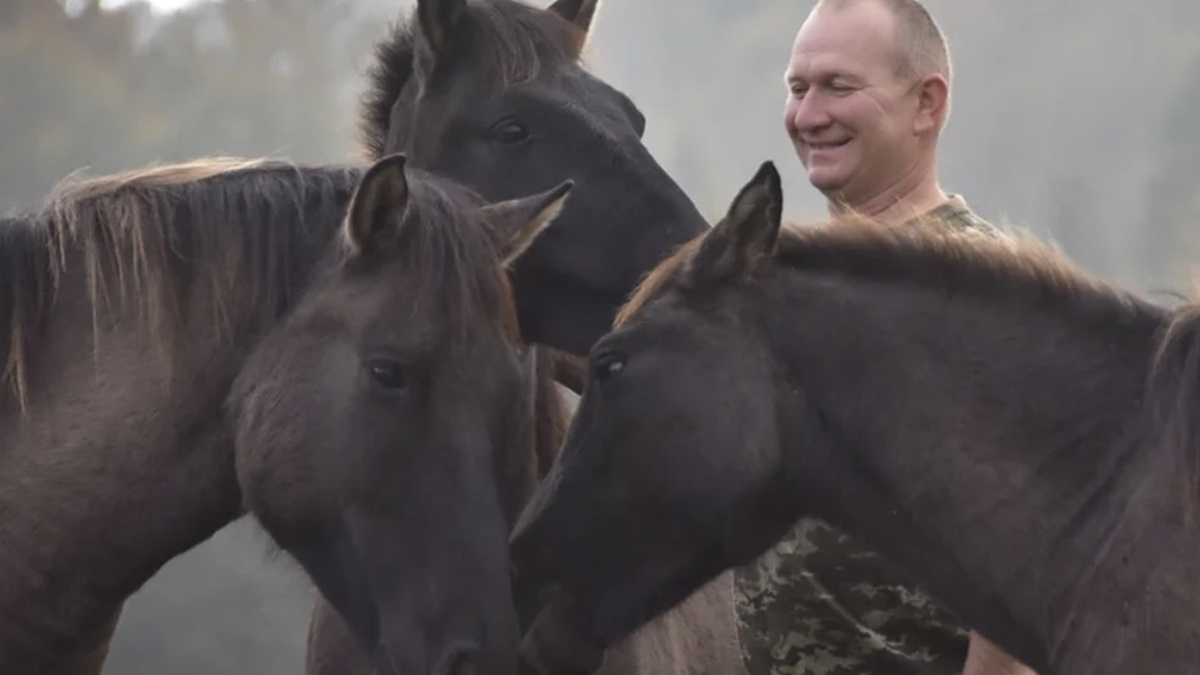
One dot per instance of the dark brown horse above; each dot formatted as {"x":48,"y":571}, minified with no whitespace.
{"x":236,"y":242}
{"x":493,"y":93}
{"x":977,"y":410}
{"x":384,"y":429}
{"x":127,"y":307}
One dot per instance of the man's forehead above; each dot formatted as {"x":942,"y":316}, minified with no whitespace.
{"x":821,"y":65}
{"x":843,"y":39}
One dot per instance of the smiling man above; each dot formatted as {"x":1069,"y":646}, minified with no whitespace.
{"x":868,"y":95}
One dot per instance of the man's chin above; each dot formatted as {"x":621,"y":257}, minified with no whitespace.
{"x":829,"y":182}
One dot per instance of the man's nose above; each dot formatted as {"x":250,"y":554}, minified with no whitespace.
{"x":807,"y":113}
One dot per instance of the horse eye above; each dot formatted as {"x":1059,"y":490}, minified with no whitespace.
{"x":388,"y":374}
{"x":608,"y":366}
{"x":509,"y":132}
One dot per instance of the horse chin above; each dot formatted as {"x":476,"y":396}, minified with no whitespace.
{"x":558,"y":643}
{"x":562,"y":313}
{"x":460,"y":658}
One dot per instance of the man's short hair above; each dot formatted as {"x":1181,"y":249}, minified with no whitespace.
{"x":922,"y":45}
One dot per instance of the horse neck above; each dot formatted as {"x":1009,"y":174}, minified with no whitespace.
{"x":550,"y":416}
{"x":982,"y":446}
{"x":125,"y":389}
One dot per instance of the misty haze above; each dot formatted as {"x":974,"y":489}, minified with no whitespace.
{"x":1074,"y":118}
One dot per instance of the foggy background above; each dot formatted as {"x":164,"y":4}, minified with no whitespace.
{"x":1073,"y":118}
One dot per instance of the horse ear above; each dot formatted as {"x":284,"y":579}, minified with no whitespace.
{"x":746,"y":236}
{"x":578,"y":12}
{"x":516,"y":223}
{"x":378,"y":205}
{"x":437,"y":21}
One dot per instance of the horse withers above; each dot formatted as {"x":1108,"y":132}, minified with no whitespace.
{"x":1012,"y":433}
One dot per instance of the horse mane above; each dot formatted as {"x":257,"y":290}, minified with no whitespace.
{"x":1173,"y":394}
{"x":927,"y":253}
{"x":162,"y":233}
{"x":1019,"y":266}
{"x":27,"y":283}
{"x":515,"y":41}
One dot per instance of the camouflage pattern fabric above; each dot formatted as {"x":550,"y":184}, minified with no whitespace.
{"x":821,"y":603}
{"x":955,"y":213}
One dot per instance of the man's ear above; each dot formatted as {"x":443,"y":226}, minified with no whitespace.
{"x":933,"y":104}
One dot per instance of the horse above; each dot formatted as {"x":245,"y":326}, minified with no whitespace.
{"x":241,"y":213}
{"x":383,"y":427}
{"x":387,"y":435}
{"x":494,"y":93}
{"x":1018,"y":436}
{"x":128,"y":305}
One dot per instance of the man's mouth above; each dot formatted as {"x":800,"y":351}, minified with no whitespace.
{"x":827,"y":145}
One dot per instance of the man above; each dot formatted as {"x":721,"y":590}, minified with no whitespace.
{"x":869,"y":89}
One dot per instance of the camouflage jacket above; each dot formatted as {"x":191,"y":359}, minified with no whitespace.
{"x":821,"y":603}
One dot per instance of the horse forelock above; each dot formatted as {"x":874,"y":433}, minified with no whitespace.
{"x":451,"y":262}
{"x":228,"y":226}
{"x":514,"y":42}
{"x":518,"y":41}
{"x":453,"y":254}
{"x":656,"y":281}
{"x":448,"y":253}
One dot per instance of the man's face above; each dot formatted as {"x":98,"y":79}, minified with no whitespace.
{"x":849,"y":113}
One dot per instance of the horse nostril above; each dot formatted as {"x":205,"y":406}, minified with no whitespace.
{"x":459,"y":659}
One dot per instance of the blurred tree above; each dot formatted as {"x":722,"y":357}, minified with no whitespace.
{"x":1168,"y":248}
{"x":86,"y":87}
{"x":117,"y":89}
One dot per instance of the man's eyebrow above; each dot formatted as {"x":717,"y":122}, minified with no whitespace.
{"x":850,"y":78}
{"x":790,"y":77}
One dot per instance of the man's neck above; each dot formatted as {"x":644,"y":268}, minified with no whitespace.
{"x":901,"y":202}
